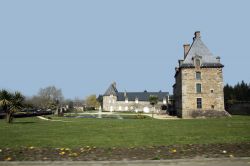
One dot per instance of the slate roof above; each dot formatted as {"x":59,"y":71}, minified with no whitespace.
{"x":142,"y":96}
{"x":199,"y":49}
{"x":111,"y":90}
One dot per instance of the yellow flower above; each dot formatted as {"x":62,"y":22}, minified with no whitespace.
{"x":73,"y":154}
{"x":8,"y":159}
{"x":174,"y":150}
{"x":62,"y":149}
{"x":231,"y":155}
{"x":67,"y":149}
{"x":62,"y":153}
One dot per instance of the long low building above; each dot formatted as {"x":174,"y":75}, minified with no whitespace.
{"x":133,"y":101}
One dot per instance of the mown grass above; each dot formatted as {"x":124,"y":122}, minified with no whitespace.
{"x":122,"y":133}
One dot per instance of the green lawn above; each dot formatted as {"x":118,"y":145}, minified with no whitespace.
{"x":122,"y":133}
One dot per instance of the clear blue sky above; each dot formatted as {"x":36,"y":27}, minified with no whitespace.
{"x":83,"y":46}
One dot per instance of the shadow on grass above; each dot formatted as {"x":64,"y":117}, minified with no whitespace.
{"x":23,"y":122}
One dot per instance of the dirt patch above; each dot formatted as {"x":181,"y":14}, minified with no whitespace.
{"x":133,"y":153}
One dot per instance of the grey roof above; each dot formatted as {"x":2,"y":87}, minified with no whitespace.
{"x":142,"y":96}
{"x":111,"y":90}
{"x":199,"y":49}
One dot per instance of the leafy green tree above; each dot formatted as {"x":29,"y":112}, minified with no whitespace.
{"x":153,"y":101}
{"x":11,"y":103}
{"x":91,"y":101}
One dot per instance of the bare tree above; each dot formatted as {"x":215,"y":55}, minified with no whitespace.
{"x":51,"y":93}
{"x":47,"y":98}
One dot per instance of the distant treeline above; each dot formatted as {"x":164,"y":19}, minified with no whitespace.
{"x":237,"y":93}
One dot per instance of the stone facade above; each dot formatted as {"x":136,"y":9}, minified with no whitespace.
{"x":198,"y":81}
{"x":133,"y":101}
{"x":142,"y":106}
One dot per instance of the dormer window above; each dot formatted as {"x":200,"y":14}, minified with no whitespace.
{"x":197,"y":62}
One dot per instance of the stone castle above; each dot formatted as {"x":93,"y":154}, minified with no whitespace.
{"x":198,"y":81}
{"x":198,"y":87}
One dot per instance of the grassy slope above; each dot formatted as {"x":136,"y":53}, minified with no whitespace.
{"x":123,"y":133}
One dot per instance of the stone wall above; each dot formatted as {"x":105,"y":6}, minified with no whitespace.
{"x":211,"y":92}
{"x":110,"y":103}
{"x":178,"y":94}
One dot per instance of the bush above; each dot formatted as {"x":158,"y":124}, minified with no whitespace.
{"x":139,"y":116}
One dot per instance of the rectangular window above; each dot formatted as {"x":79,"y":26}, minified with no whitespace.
{"x":199,"y":103}
{"x":198,"y":88}
{"x":198,"y":75}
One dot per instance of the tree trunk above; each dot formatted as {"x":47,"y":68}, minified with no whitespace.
{"x":9,"y":117}
{"x":153,"y":111}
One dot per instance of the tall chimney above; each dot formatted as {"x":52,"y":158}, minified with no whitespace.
{"x":197,"y":34}
{"x":186,"y":49}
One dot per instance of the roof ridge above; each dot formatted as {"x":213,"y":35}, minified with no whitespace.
{"x":111,"y":90}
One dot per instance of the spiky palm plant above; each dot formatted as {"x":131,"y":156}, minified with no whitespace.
{"x":16,"y":104}
{"x":11,"y":103}
{"x":5,"y":99}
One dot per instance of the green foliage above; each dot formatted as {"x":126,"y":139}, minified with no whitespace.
{"x":92,"y":102}
{"x":5,"y":99}
{"x":11,"y":103}
{"x":153,"y":100}
{"x":140,"y":116}
{"x":78,"y":132}
{"x":238,"y":94}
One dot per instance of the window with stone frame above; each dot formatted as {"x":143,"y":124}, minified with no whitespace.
{"x":198,"y":75}
{"x":198,"y":88}
{"x":197,"y":62}
{"x":199,"y":103}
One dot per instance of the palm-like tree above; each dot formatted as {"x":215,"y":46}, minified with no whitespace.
{"x":11,"y":103}
{"x":5,"y":100}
